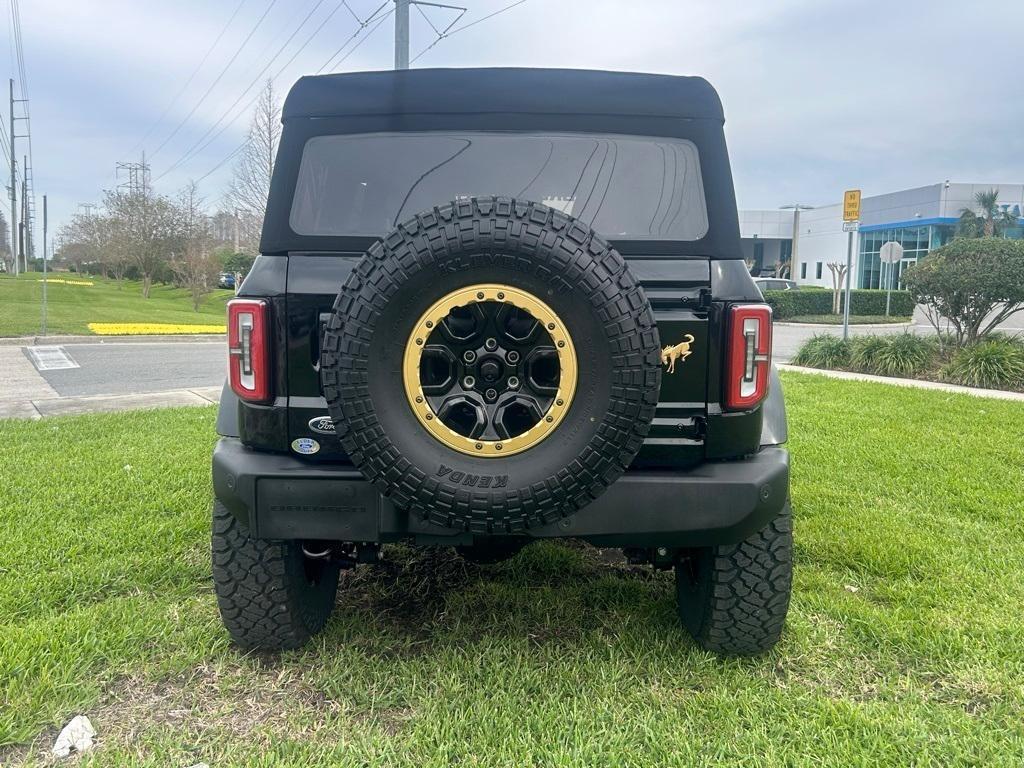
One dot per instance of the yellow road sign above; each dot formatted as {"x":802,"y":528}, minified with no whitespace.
{"x":851,"y":205}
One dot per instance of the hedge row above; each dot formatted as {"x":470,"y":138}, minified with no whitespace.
{"x":815,"y":301}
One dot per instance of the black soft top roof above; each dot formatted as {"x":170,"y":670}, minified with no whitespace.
{"x":503,"y":90}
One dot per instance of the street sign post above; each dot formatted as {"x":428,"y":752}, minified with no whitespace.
{"x":890,"y":253}
{"x":851,"y":205}
{"x":851,"y":221}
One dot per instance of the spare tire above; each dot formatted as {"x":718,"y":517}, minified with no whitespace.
{"x":491,"y":365}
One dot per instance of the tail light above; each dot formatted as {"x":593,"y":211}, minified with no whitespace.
{"x":248,"y":348}
{"x":749,"y":355}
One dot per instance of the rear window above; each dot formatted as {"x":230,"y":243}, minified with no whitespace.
{"x":627,"y":187}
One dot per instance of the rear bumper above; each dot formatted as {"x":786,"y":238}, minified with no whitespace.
{"x":280,"y":497}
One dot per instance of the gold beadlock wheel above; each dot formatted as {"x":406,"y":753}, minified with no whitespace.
{"x":490,"y":370}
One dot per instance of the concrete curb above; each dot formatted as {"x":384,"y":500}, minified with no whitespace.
{"x":66,"y":406}
{"x":993,"y":394}
{"x":32,"y":341}
{"x":839,"y":326}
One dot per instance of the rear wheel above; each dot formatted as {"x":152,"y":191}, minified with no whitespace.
{"x":733,"y":598}
{"x":271,"y":596}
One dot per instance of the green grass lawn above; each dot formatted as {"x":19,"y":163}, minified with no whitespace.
{"x":904,"y":646}
{"x":854,"y":319}
{"x":71,"y":307}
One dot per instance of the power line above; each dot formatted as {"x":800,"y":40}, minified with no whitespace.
{"x":196,"y":148}
{"x":223,"y":72}
{"x":202,"y":63}
{"x":202,"y":142}
{"x":446,"y":33}
{"x":354,"y":35}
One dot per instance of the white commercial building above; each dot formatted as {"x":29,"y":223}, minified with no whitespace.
{"x":919,"y":219}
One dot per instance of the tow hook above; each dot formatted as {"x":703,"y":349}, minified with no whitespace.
{"x":346,"y":555}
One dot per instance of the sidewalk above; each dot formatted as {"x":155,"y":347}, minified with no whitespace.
{"x":32,"y":341}
{"x":45,"y":404}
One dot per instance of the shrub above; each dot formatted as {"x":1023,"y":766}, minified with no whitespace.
{"x":864,"y":350}
{"x":997,"y":363}
{"x":974,"y":284}
{"x":901,"y":354}
{"x":817,"y":301}
{"x":823,"y":350}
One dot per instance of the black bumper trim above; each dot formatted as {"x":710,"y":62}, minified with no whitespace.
{"x":280,"y":497}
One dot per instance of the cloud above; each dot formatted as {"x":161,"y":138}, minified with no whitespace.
{"x":819,"y":96}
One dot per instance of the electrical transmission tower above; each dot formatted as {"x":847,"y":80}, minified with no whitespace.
{"x":133,"y":178}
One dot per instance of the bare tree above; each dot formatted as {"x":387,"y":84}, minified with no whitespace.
{"x":5,"y":244}
{"x":83,"y":240}
{"x":250,"y":187}
{"x":195,"y":267}
{"x":838,"y":271}
{"x":144,"y":229}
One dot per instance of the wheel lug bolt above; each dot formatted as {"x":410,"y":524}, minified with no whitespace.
{"x":419,"y":399}
{"x":468,"y":382}
{"x":501,"y":295}
{"x":549,"y":419}
{"x":491,"y":394}
{"x":513,"y":357}
{"x":430,"y":323}
{"x":559,"y":402}
{"x":561,"y":344}
{"x":513,"y":382}
{"x":480,"y":295}
{"x":551,"y":326}
{"x":490,"y":345}
{"x":469,"y":355}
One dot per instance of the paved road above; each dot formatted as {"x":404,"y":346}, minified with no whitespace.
{"x":119,"y":368}
{"x":113,"y":368}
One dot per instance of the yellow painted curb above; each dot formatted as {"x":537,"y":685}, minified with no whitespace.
{"x":151,"y":329}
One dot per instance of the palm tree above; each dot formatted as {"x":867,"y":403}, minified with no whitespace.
{"x":992,"y":221}
{"x":988,"y":203}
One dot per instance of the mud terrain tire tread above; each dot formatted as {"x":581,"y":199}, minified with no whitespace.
{"x":736,"y":599}
{"x":560,"y":249}
{"x":265,"y":600}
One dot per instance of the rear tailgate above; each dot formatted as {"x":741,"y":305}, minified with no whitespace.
{"x":678,"y":289}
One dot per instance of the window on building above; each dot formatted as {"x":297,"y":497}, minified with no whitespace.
{"x":758,"y":264}
{"x":916,"y":242}
{"x":803,"y":271}
{"x":817,"y":270}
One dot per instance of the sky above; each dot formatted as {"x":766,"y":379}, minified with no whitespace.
{"x":819,"y":96}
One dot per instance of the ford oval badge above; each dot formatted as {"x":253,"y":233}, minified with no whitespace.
{"x":322,"y":425}
{"x":307,"y":446}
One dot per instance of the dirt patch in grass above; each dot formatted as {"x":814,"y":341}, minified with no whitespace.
{"x":256,"y":702}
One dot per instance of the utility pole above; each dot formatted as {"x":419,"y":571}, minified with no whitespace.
{"x":401,"y":34}
{"x":23,"y":226}
{"x":14,"y":189}
{"x":26,"y":225}
{"x":44,"y":264}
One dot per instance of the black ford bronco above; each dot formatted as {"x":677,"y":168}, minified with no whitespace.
{"x":494,"y":306}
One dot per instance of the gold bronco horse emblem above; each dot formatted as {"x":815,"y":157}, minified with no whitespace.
{"x":677,"y":352}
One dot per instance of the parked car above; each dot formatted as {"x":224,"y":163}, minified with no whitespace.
{"x":226,"y":280}
{"x":775,"y":284}
{"x":495,"y":306}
